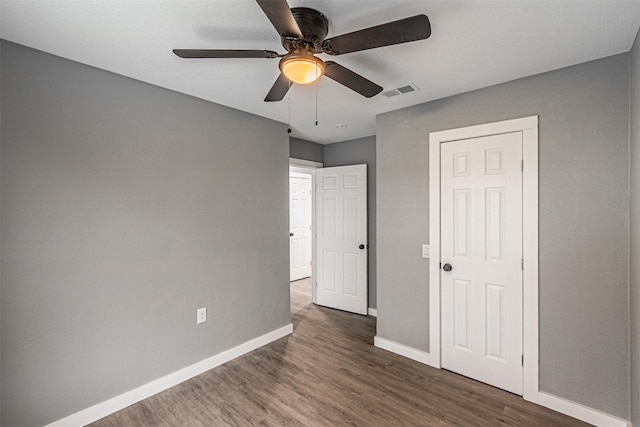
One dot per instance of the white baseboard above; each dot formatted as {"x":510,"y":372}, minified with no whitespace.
{"x":581,"y":412}
{"x":372,"y":312}
{"x":404,"y":350}
{"x":101,"y":410}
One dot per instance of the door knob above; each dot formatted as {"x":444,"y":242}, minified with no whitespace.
{"x":447,"y":267}
{"x":361,"y":246}
{"x":290,"y":234}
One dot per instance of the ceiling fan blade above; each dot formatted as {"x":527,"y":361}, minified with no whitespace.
{"x":224,"y":53}
{"x":278,"y":90}
{"x":396,"y":32}
{"x":281,"y":17}
{"x":353,"y":81}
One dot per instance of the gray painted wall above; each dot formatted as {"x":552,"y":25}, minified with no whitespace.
{"x":306,"y":150}
{"x":584,"y":257}
{"x":0,"y":237}
{"x":634,"y":284}
{"x":124,"y":208}
{"x":354,"y":152}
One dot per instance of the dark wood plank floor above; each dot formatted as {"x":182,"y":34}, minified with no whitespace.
{"x":329,"y":373}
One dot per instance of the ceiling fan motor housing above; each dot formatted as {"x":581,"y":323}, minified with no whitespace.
{"x":314,"y":27}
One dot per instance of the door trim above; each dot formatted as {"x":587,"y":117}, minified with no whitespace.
{"x":308,"y":164}
{"x":529,"y":128}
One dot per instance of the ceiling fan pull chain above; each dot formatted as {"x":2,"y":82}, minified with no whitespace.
{"x":316,"y":97}
{"x":289,"y":102}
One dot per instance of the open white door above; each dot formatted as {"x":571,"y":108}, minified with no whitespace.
{"x":341,"y":226}
{"x":299,"y":226}
{"x":481,"y":255}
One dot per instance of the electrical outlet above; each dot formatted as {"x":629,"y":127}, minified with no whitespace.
{"x":201,"y":315}
{"x":425,"y":251}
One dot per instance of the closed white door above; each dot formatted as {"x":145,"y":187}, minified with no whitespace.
{"x":481,"y":246}
{"x":341,"y":226}
{"x":299,"y":225}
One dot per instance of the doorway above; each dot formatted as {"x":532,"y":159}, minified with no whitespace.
{"x":460,"y":223}
{"x":300,"y":225}
{"x":305,"y":168}
{"x":337,"y":198}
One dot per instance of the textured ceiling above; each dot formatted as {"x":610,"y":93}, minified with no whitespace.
{"x":474,"y":44}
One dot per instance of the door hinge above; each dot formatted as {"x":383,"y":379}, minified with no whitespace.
{"x":521,"y":165}
{"x":522,"y":360}
{"x":522,"y":263}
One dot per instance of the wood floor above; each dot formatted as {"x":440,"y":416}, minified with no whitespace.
{"x":329,"y":373}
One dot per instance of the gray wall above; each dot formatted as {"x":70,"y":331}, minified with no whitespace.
{"x":354,"y":152}
{"x":0,"y":235}
{"x":124,"y":208}
{"x":634,"y":114}
{"x":583,"y":227}
{"x":306,"y":150}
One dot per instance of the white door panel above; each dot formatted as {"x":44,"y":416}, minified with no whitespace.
{"x":299,"y":225}
{"x":481,"y":238}
{"x":341,"y":215}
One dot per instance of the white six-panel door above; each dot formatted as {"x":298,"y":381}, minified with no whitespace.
{"x":481,"y":239}
{"x":341,"y":241}
{"x":299,"y":226}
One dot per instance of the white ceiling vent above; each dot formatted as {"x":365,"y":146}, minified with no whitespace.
{"x":401,"y":90}
{"x":406,"y":89}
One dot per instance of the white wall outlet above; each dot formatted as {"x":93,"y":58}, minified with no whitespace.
{"x":201,"y":315}
{"x":425,"y":251}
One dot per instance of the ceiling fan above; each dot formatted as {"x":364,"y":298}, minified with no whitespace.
{"x":302,"y":32}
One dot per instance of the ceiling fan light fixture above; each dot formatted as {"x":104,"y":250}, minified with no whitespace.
{"x":302,"y":68}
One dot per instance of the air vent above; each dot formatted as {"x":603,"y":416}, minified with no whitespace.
{"x":406,"y":89}
{"x":401,"y":90}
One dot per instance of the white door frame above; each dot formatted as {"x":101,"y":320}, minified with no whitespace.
{"x":529,"y":128}
{"x":311,"y":166}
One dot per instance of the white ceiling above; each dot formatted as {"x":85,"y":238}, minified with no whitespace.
{"x":474,"y":44}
